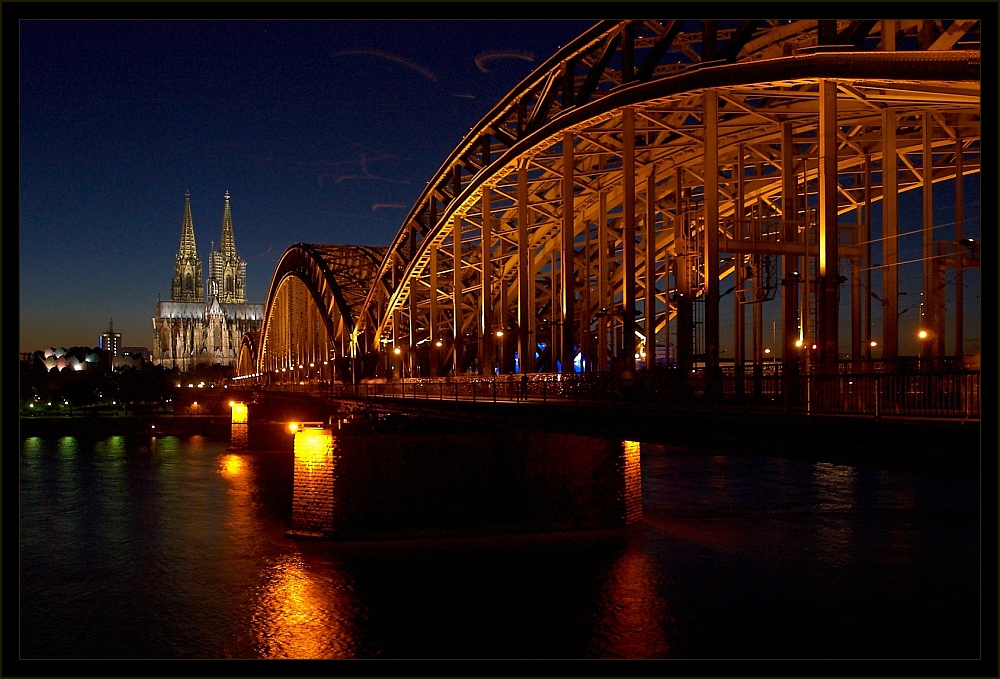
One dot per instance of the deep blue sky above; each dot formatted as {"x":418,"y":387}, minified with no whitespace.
{"x":321,"y":131}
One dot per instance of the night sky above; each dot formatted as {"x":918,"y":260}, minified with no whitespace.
{"x":322,"y":131}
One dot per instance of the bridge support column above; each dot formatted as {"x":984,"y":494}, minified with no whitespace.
{"x":711,"y":228}
{"x":603,"y":305}
{"x":649,"y":304}
{"x":486,"y":289}
{"x":412,"y":349}
{"x":425,"y":476}
{"x":829,"y":251}
{"x":683,"y":274}
{"x":525,"y":278}
{"x":628,"y":240}
{"x":739,"y":278}
{"x":587,"y":317}
{"x":930,"y":311}
{"x":856,"y":306}
{"x":313,"y":500}
{"x":239,"y":438}
{"x":890,"y":244}
{"x":433,"y":350}
{"x":456,"y":309}
{"x":959,"y":233}
{"x":631,"y":473}
{"x":567,"y":252}
{"x":867,"y":263}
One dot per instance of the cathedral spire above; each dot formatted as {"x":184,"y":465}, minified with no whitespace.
{"x":187,"y":284}
{"x":188,"y":247}
{"x":225,"y":268}
{"x":227,"y":246}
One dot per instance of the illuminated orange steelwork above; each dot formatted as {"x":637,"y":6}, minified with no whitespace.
{"x":309,"y":317}
{"x":608,"y":194}
{"x":295,"y":331}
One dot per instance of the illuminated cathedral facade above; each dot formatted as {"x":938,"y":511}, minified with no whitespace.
{"x":205,"y":320}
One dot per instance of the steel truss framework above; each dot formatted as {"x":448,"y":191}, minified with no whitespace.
{"x":592,"y":214}
{"x":309,"y":316}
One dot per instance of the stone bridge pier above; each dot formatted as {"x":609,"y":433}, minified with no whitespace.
{"x":378,"y":477}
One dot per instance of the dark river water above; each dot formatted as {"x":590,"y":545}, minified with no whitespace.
{"x":175,"y":548}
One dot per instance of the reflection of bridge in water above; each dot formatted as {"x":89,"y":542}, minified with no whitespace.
{"x":584,"y":227}
{"x":573,"y":247}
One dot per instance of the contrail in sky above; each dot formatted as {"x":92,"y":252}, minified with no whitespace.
{"x":391,"y":57}
{"x":483,"y":57}
{"x":383,"y":206}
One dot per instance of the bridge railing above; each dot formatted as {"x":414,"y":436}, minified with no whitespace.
{"x":954,"y":394}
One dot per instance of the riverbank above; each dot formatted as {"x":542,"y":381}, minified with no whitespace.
{"x":952,"y":448}
{"x":156,"y":424}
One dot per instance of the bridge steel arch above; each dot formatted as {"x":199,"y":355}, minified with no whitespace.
{"x":246,"y":358}
{"x":590,"y":216}
{"x":311,"y":313}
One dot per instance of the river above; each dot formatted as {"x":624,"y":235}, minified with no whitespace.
{"x":175,"y":547}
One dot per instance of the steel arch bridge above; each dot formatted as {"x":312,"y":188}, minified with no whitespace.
{"x":589,"y":218}
{"x":310,"y":314}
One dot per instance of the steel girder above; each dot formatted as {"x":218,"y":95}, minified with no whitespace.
{"x":598,"y":165}
{"x":311,"y":311}
{"x":246,"y":357}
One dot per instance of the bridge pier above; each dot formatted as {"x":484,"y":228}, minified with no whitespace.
{"x":314,"y":498}
{"x":404,"y":477}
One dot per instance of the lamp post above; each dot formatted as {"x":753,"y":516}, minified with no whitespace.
{"x":922,"y":336}
{"x":396,"y":351}
{"x":499,"y":334}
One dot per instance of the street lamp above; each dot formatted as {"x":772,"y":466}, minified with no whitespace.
{"x":499,"y":335}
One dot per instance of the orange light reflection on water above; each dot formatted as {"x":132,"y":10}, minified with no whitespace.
{"x":300,"y":615}
{"x":631,"y":625}
{"x":232,"y":465}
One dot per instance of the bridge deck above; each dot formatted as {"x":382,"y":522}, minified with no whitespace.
{"x":901,"y":437}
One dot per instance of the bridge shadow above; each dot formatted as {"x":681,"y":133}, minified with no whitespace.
{"x":379,"y":476}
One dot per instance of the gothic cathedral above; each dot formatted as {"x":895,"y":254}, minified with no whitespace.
{"x":204,"y":321}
